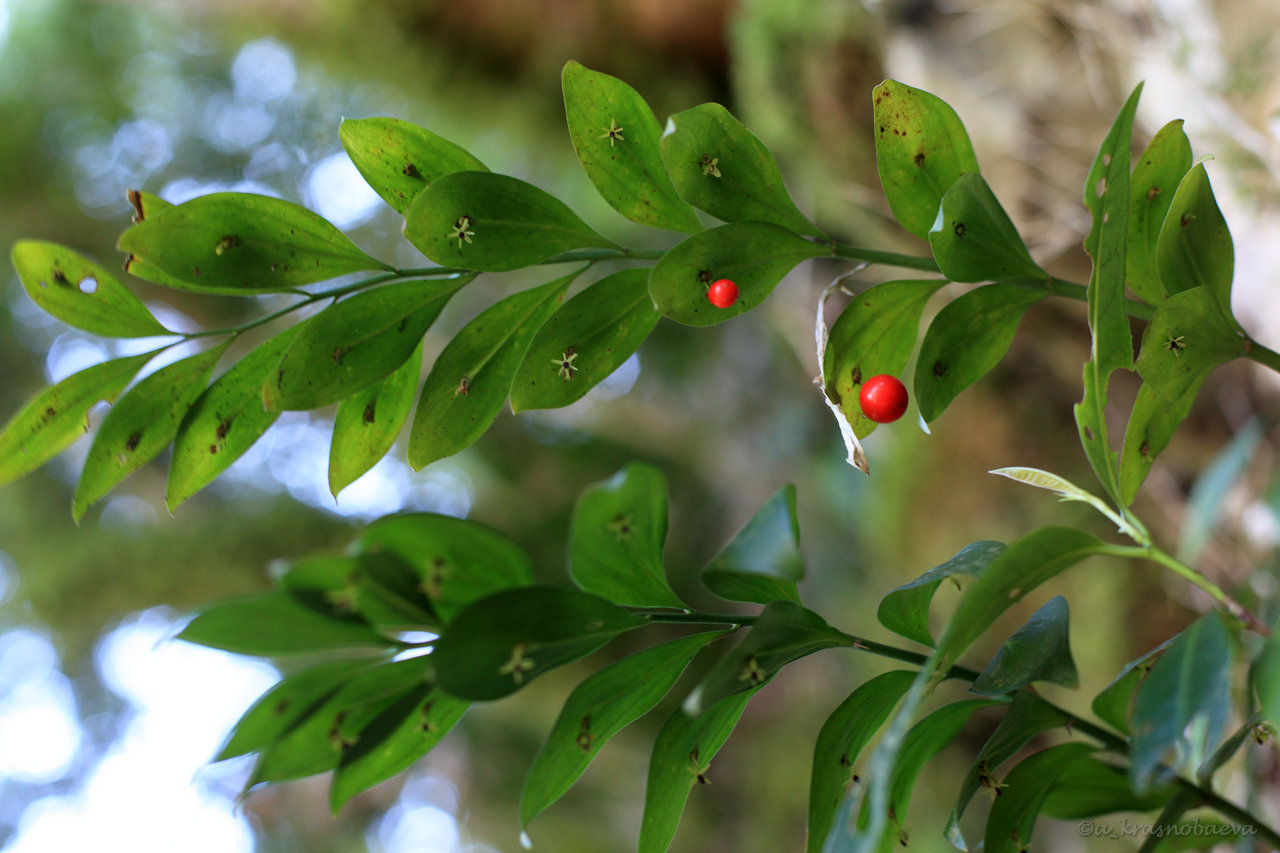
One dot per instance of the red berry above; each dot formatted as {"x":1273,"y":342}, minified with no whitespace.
{"x":883,"y":398}
{"x":722,"y":293}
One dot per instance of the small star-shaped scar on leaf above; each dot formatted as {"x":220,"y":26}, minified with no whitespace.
{"x":462,"y":230}
{"x":612,"y":132}
{"x":518,"y":665}
{"x":708,"y":164}
{"x":565,"y":366}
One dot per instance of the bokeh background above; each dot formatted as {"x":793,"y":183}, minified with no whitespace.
{"x":106,"y":725}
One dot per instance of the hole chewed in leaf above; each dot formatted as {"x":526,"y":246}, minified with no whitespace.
{"x":88,"y":285}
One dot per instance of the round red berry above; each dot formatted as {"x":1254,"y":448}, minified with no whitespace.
{"x":722,"y":293}
{"x":883,"y":398}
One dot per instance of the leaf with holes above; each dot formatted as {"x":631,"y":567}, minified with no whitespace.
{"x":921,"y":150}
{"x":762,"y":562}
{"x":356,"y":342}
{"x":473,"y":375}
{"x":1195,"y":247}
{"x":51,"y":421}
{"x":616,"y":537}
{"x":585,"y":341}
{"x":973,"y":238}
{"x":367,"y":423}
{"x":141,"y":425}
{"x":500,"y":643}
{"x":616,"y":137}
{"x":599,"y":708}
{"x":1151,"y":189}
{"x":719,"y":166}
{"x":80,"y":292}
{"x":754,"y":255}
{"x":489,"y":222}
{"x":381,"y":588}
{"x":966,"y":339}
{"x":905,"y":610}
{"x":240,"y":243}
{"x":1188,"y":336}
{"x":1038,"y":651}
{"x":225,"y":421}
{"x":399,"y":159}
{"x":278,"y":623}
{"x":1013,"y":814}
{"x":874,"y":334}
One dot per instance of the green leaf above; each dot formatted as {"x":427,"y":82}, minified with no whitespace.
{"x":1020,"y":568}
{"x":224,"y":422}
{"x":719,"y":166}
{"x":1191,"y":680}
{"x":599,"y":708}
{"x":844,"y":735}
{"x":782,"y":633}
{"x":277,"y":623}
{"x":1013,"y":814}
{"x":1151,"y":189}
{"x":141,"y":425}
{"x":966,"y":339}
{"x":489,"y":222}
{"x":1152,"y":424}
{"x":1195,"y":247}
{"x":1227,"y":749}
{"x":500,"y":643}
{"x":616,"y":537}
{"x":144,"y":204}
{"x":682,"y":755}
{"x":762,"y":562}
{"x":1088,"y":788}
{"x":1188,"y":336}
{"x":356,"y":342}
{"x":473,"y":375}
{"x":905,"y":610}
{"x":585,"y":341}
{"x":1266,"y":678}
{"x":874,"y":334}
{"x":1038,"y":651}
{"x":58,"y":415}
{"x":1210,"y":492}
{"x":80,"y":292}
{"x":616,"y":138}
{"x":1065,"y":490}
{"x":398,"y":737}
{"x":399,"y":159}
{"x":380,"y":587}
{"x":459,"y":561}
{"x":367,"y":423}
{"x":754,"y":255}
{"x":1113,"y":703}
{"x":973,"y":239}
{"x":239,"y":243}
{"x":921,"y":150}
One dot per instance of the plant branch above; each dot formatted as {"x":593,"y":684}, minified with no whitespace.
{"x":1262,"y":355}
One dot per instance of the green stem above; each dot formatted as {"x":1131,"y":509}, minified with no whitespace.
{"x":694,"y":617}
{"x":893,"y":259}
{"x":1262,"y":355}
{"x":1080,"y":293}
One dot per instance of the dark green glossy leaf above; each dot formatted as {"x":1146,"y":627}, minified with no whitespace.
{"x":1266,"y":677}
{"x":239,"y":243}
{"x":1152,"y":424}
{"x":585,"y":341}
{"x":1038,"y":651}
{"x":457,"y":560}
{"x":141,"y":425}
{"x":379,"y":587}
{"x":1113,"y":703}
{"x":754,"y":255}
{"x":762,"y":562}
{"x":367,"y":423}
{"x":489,"y":222}
{"x":599,"y":708}
{"x":782,"y":633}
{"x":1197,"y":834}
{"x":682,"y":756}
{"x":1195,"y":247}
{"x":58,"y":415}
{"x":1088,"y":788}
{"x":80,"y":292}
{"x":921,"y":150}
{"x":616,"y":537}
{"x":973,"y":239}
{"x":394,"y":740}
{"x":966,"y":339}
{"x":353,"y":344}
{"x":1191,"y":680}
{"x":399,"y":159}
{"x":224,"y":422}
{"x":843,"y":737}
{"x":496,"y":645}
{"x":905,"y":610}
{"x":874,"y":334}
{"x":473,"y":375}
{"x":1227,"y":749}
{"x":719,"y":166}
{"x":1151,"y":187}
{"x":1211,"y":490}
{"x":1013,"y":814}
{"x":277,"y":623}
{"x":1188,"y":336}
{"x":616,"y":137}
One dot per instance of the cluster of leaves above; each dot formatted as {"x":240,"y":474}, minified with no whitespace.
{"x":1156,"y":230}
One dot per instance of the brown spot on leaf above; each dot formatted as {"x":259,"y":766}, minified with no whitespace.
{"x":213,"y":450}
{"x":464,"y":387}
{"x":132,"y":443}
{"x":959,"y":229}
{"x":1186,"y":219}
{"x":939,"y":369}
{"x":59,"y":277}
{"x":411,"y":171}
{"x":1145,"y":449}
{"x":369,"y":413}
{"x":227,"y":243}
{"x":919,"y":158}
{"x":856,"y":376}
{"x":338,"y":353}
{"x":1152,"y":193}
{"x":135,"y":201}
{"x":221,"y":431}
